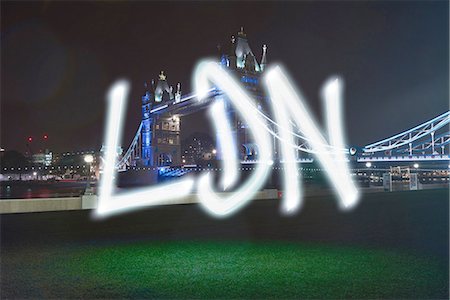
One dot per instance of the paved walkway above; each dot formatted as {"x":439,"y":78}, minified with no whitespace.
{"x":415,"y":221}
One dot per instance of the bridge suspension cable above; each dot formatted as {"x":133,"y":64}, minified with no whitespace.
{"x":401,"y":143}
{"x":133,"y":152}
{"x":408,"y":137}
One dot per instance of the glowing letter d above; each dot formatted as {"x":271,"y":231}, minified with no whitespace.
{"x":207,"y":72}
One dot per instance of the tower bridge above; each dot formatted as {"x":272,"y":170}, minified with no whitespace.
{"x":428,"y":141}
{"x":157,"y":139}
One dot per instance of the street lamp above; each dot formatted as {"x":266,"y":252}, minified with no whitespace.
{"x":88,"y":158}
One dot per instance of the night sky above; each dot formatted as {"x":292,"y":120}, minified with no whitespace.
{"x":59,"y":58}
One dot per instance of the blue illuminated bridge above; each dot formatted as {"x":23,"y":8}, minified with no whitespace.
{"x":157,"y":139}
{"x":428,"y":141}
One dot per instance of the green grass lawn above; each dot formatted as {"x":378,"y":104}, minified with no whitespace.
{"x":221,"y":270}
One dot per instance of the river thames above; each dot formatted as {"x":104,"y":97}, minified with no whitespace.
{"x":32,"y":189}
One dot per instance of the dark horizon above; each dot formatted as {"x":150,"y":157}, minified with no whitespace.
{"x":58,"y":60}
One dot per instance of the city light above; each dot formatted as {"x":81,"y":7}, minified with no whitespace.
{"x":416,"y":166}
{"x":368,"y":164}
{"x":30,"y":139}
{"x":88,"y":158}
{"x":45,"y":136}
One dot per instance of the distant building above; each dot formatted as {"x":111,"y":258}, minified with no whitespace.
{"x":197,"y":148}
{"x":44,"y":159}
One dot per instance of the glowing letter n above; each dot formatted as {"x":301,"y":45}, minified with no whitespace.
{"x":287,"y":104}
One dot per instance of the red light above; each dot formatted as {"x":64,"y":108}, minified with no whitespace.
{"x":45,"y":136}
{"x":30,"y":139}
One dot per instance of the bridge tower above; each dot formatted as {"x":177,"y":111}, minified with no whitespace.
{"x":146,"y":130}
{"x":160,"y":132}
{"x":243,"y":64}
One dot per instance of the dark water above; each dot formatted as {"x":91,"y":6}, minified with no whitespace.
{"x":42,"y":189}
{"x":33,"y":189}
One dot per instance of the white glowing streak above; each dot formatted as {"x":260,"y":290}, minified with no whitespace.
{"x":332,"y":99}
{"x":227,"y":145}
{"x":159,"y":108}
{"x":291,"y":178}
{"x":282,"y":93}
{"x":344,"y":150}
{"x":205,"y":73}
{"x":107,"y":202}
